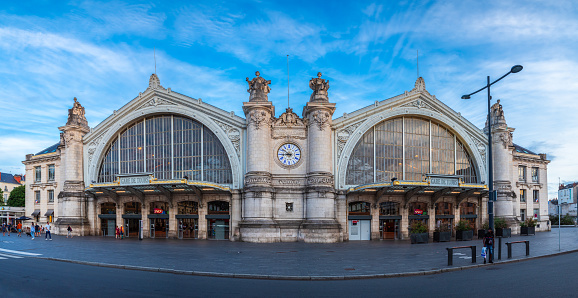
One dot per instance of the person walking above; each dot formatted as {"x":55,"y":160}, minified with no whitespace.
{"x":37,"y":229}
{"x":47,"y":235}
{"x":489,"y":245}
{"x":117,"y":233}
{"x":19,"y":227}
{"x":121,"y":232}
{"x":69,"y":232}
{"x":3,"y":229}
{"x":9,"y":228}
{"x":32,"y":231}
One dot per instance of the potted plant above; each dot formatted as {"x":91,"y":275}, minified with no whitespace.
{"x":528,"y":227}
{"x":442,"y":233}
{"x":502,"y":229}
{"x":418,"y":232}
{"x":482,"y":232}
{"x":464,"y":231}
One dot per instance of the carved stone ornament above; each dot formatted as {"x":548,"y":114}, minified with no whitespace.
{"x":321,"y":118}
{"x":233,"y":134}
{"x":481,"y":149}
{"x":419,"y":86}
{"x":92,"y":147}
{"x":289,"y":119}
{"x":258,"y":88}
{"x":497,"y":116}
{"x":259,"y":117}
{"x":344,"y":135}
{"x":70,"y":136}
{"x":420,"y":104}
{"x":506,"y":138}
{"x":155,"y":83}
{"x":76,"y":115}
{"x":319,"y":87}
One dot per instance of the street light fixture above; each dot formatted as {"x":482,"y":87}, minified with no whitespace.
{"x":492,"y":195}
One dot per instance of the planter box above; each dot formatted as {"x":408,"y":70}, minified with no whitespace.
{"x":419,"y":238}
{"x":464,"y":235}
{"x":442,"y":236}
{"x":504,"y":233}
{"x":528,"y":231}
{"x":482,"y":233}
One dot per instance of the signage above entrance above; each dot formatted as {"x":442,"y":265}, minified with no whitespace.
{"x":443,"y":181}
{"x":134,"y":180}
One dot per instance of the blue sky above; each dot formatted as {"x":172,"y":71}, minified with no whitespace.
{"x":102,"y":53}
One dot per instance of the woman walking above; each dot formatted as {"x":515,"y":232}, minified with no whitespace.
{"x":32,"y":231}
{"x":489,"y":245}
{"x":117,"y":232}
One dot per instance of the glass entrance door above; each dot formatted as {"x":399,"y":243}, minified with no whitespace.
{"x":108,"y":227}
{"x":218,"y":229}
{"x":190,"y":228}
{"x":160,"y":227}
{"x":389,"y":228}
{"x":131,"y":226}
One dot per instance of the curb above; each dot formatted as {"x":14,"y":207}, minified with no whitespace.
{"x":296,"y":277}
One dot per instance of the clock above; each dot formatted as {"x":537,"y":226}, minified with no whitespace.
{"x":289,"y":154}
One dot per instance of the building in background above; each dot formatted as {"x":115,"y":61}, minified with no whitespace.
{"x":568,"y":198}
{"x":7,"y":183}
{"x":188,"y":169}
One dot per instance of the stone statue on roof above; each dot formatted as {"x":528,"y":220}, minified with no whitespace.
{"x":319,"y":87}
{"x":76,"y":115}
{"x":258,"y":88}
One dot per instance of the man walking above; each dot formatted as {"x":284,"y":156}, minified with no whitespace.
{"x":69,"y":232}
{"x":47,"y":229}
{"x":489,"y":244}
{"x":32,"y":231}
{"x":19,"y":227}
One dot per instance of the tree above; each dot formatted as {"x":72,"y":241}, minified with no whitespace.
{"x":2,"y":203}
{"x":17,"y":197}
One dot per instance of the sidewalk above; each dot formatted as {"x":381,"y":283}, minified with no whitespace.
{"x":355,"y":259}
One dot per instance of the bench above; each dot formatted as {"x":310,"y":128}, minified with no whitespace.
{"x":509,"y":244}
{"x":451,"y":253}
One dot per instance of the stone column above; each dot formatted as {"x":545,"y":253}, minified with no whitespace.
{"x":71,"y":201}
{"x":236,"y":215}
{"x":173,"y":223}
{"x":145,"y":210}
{"x":257,"y":224}
{"x":202,"y":220}
{"x":502,"y":148}
{"x":320,"y":224}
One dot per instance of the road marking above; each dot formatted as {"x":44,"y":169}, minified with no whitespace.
{"x":19,"y":252}
{"x":1,"y":258}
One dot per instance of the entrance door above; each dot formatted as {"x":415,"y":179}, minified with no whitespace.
{"x":110,"y":227}
{"x":389,"y":228}
{"x":218,"y":229}
{"x":160,"y":227}
{"x":190,"y":228}
{"x":359,"y":229}
{"x":131,"y":226}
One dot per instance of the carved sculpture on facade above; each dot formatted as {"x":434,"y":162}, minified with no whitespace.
{"x":497,"y":115}
{"x":258,"y":88}
{"x":344,"y":135}
{"x":155,"y":83}
{"x":321,"y":118}
{"x":289,"y":119}
{"x":319,"y":87}
{"x":258,"y":117}
{"x":233,"y":134}
{"x":506,"y":138}
{"x":76,"y":115}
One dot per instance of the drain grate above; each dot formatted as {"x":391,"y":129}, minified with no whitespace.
{"x":350,"y":269}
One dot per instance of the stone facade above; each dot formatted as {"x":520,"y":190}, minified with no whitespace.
{"x":288,"y":173}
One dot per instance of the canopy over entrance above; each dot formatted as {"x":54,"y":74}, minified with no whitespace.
{"x":436,"y":186}
{"x":142,"y":184}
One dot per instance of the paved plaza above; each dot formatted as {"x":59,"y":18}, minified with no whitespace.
{"x":354,"y":259}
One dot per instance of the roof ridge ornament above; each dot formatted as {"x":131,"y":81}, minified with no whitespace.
{"x":258,"y":88}
{"x":155,"y":83}
{"x":76,"y":115}
{"x":419,"y":85}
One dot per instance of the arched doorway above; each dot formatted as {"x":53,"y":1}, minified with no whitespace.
{"x":359,"y":218}
{"x":218,"y":220}
{"x":188,"y":219}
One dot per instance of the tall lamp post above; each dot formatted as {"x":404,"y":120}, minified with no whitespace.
{"x":492,"y":194}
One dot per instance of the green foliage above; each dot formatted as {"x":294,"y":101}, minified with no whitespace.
{"x":418,"y":227}
{"x":500,"y":223}
{"x":566,"y":220}
{"x":2,"y":203}
{"x":463,"y":225}
{"x":486,"y":225}
{"x":529,"y":222}
{"x":17,"y":197}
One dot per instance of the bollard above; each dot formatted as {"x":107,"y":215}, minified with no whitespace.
{"x":450,"y":256}
{"x":500,"y":249}
{"x":509,"y":249}
{"x":527,"y":248}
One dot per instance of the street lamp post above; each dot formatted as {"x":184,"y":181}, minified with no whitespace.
{"x":492,"y":195}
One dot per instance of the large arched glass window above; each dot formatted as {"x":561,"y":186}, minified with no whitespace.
{"x":407,"y":148}
{"x":170,"y":147}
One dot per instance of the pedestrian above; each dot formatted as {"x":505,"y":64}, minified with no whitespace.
{"x":19,"y":227}
{"x":47,"y":227}
{"x":3,"y":229}
{"x":117,"y":232}
{"x":489,"y":245}
{"x":69,"y":230}
{"x":32,"y":231}
{"x":9,"y":227}
{"x":37,"y":229}
{"x":121,"y":232}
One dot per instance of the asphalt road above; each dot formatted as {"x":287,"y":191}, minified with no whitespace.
{"x":31,"y":277}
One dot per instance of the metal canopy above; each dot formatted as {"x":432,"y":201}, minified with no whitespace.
{"x":427,"y":187}
{"x":155,"y":186}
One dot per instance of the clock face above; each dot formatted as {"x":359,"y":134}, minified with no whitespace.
{"x":289,"y":154}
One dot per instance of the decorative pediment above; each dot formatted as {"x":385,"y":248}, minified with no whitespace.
{"x":344,"y":135}
{"x":289,"y":119}
{"x":420,"y":104}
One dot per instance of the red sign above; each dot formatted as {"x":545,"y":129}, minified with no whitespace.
{"x":158,"y":211}
{"x":418,"y":212}
{"x":355,"y":222}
